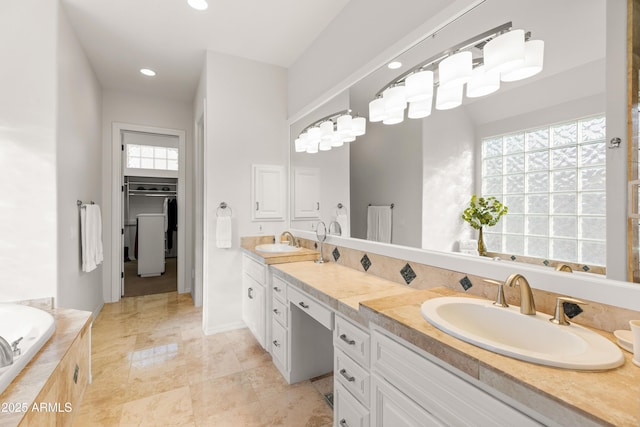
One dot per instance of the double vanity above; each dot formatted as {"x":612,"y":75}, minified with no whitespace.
{"x":393,"y":367}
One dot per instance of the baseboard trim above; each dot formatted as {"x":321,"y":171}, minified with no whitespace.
{"x":97,"y":310}
{"x":224,"y":328}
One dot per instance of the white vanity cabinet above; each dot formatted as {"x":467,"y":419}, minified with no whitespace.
{"x":301,"y":333}
{"x":351,"y":373}
{"x":254,"y":275}
{"x":409,"y":387}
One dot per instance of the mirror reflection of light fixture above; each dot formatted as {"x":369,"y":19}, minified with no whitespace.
{"x":330,"y":132}
{"x":481,"y":63}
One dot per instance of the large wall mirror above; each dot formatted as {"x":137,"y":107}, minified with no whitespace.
{"x":548,"y":129}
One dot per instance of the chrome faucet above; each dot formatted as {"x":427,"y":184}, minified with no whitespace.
{"x":292,"y":240}
{"x":6,"y":353}
{"x":527,"y":305}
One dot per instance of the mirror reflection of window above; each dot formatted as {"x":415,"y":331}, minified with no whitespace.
{"x":552,"y":178}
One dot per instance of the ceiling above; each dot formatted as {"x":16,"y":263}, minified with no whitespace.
{"x":122,"y":36}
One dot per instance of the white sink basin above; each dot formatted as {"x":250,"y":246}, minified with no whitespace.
{"x":526,"y":337}
{"x":277,"y":247}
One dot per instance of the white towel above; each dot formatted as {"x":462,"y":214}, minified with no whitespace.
{"x":223,"y":232}
{"x":379,"y":224}
{"x":343,"y":220}
{"x":91,"y":237}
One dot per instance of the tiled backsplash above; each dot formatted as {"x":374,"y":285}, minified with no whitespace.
{"x":596,"y":315}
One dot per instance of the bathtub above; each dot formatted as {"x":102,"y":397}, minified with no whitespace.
{"x":34,"y":325}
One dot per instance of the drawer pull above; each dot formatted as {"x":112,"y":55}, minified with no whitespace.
{"x":275,"y":310}
{"x":303,"y":305}
{"x":343,"y":423}
{"x":276,"y":343}
{"x":250,"y":293}
{"x":277,"y":289}
{"x":348,"y":377}
{"x":344,"y":338}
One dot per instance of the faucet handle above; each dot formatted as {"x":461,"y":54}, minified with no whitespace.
{"x":14,"y":347}
{"x":559,"y":318}
{"x":500,"y":299}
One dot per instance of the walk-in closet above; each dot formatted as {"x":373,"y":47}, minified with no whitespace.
{"x":150,"y":213}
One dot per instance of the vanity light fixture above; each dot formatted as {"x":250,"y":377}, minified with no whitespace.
{"x":330,"y":132}
{"x":147,"y":72}
{"x":481,"y":63}
{"x":198,"y":4}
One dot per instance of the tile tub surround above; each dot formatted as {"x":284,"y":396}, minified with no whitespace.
{"x":595,"y":315}
{"x":30,"y":385}
{"x":571,"y":397}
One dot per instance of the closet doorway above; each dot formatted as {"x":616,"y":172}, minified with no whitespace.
{"x":148,"y":211}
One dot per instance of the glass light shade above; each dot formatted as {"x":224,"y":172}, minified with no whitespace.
{"x":419,"y":86}
{"x":314,"y":135}
{"x":349,"y":139}
{"x":376,"y":110}
{"x":455,"y":70}
{"x":420,"y":109}
{"x":325,"y":145}
{"x":482,"y":82}
{"x":395,"y":118}
{"x":326,"y":130}
{"x":505,"y":52}
{"x":395,"y":99}
{"x":345,"y":124}
{"x":312,"y":147}
{"x":358,"y":127}
{"x":300,"y":145}
{"x":338,"y":140}
{"x":448,"y":98}
{"x":533,"y":62}
{"x":198,"y":4}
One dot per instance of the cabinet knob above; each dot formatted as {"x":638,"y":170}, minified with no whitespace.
{"x":343,"y":423}
{"x":257,"y":206}
{"x":276,"y":343}
{"x":277,"y":289}
{"x":344,"y":338}
{"x":303,"y":305}
{"x":275,"y":310}
{"x":250,"y":293}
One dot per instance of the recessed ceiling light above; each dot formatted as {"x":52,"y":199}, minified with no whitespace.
{"x":147,"y":72}
{"x":394,"y":65}
{"x":198,"y":4}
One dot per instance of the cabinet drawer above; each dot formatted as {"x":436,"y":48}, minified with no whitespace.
{"x":279,"y":312}
{"x":348,"y":412}
{"x":313,"y":308}
{"x":450,"y":398}
{"x":353,"y":377}
{"x":279,"y":288}
{"x":279,"y":345}
{"x":354,"y":341}
{"x":254,"y":269}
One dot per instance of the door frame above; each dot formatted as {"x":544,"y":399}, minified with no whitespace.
{"x":117,"y":178}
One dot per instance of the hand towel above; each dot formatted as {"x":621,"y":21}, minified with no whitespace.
{"x":223,"y":232}
{"x":379,"y":224}
{"x":91,"y":237}
{"x":343,"y":220}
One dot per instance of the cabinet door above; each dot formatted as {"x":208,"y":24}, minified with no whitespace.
{"x":306,"y":193}
{"x":389,"y":407}
{"x":268,"y":192}
{"x":253,"y":310}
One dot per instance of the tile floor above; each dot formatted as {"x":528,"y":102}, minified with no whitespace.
{"x":153,"y":366}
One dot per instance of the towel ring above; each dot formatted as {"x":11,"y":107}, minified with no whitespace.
{"x":223,"y":207}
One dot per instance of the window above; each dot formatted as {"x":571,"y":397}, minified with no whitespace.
{"x":152,"y":157}
{"x":552,"y":179}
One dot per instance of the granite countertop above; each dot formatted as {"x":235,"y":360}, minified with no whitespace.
{"x":27,"y":385}
{"x":569,"y":397}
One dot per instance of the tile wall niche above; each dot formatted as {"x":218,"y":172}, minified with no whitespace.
{"x":596,"y":315}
